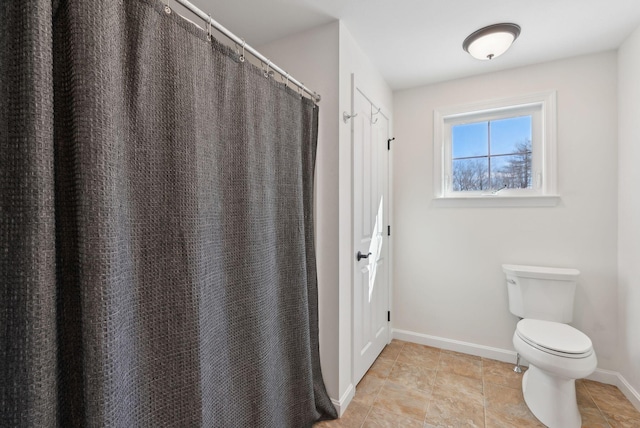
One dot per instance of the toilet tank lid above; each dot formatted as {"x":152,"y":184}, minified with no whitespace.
{"x":541,"y":272}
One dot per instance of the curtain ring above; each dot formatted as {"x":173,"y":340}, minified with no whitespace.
{"x":167,"y":8}
{"x":300,"y":90}
{"x":266,"y":73}
{"x":286,"y":83}
{"x":209,"y":36}
{"x":244,"y":43}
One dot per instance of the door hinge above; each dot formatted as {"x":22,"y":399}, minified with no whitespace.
{"x":389,"y":316}
{"x":389,"y":143}
{"x":388,"y":230}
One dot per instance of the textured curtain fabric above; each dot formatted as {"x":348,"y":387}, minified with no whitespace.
{"x":157,"y":262}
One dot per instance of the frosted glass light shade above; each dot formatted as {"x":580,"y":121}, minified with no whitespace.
{"x":492,"y":41}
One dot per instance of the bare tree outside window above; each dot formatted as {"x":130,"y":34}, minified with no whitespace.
{"x":516,"y":174}
{"x":470,"y":174}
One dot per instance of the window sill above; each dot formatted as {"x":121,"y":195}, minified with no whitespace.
{"x":490,"y":201}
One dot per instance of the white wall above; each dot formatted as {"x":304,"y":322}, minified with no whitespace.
{"x":448,"y":279}
{"x":629,"y":208}
{"x":324,"y":59}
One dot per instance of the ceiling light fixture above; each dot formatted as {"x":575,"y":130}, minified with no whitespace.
{"x":492,"y":41}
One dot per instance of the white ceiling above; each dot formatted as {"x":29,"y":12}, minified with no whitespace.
{"x":417,"y":42}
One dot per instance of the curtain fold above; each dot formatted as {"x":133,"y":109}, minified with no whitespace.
{"x":158,"y":263}
{"x":28,"y":344}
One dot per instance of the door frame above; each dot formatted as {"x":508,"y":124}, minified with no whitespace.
{"x":384,"y":111}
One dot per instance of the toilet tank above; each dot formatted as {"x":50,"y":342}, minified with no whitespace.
{"x":541,"y":293}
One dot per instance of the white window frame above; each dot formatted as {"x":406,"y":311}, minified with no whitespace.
{"x":542,"y":108}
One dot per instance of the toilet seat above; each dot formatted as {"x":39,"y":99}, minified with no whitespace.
{"x":555,"y":338}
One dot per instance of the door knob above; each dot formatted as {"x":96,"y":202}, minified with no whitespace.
{"x":362,"y":256}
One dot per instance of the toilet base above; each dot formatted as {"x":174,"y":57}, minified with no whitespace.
{"x":551,"y":399}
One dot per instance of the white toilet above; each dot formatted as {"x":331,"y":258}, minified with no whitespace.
{"x":557,"y":353}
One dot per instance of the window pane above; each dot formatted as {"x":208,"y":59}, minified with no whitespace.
{"x":469,"y":140}
{"x":514,"y":171}
{"x":510,"y":135}
{"x":470,"y":174}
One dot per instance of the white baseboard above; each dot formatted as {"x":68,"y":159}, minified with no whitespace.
{"x":604,"y":376}
{"x":503,"y":355}
{"x":611,"y":377}
{"x":508,"y":356}
{"x":341,"y":405}
{"x":628,"y":391}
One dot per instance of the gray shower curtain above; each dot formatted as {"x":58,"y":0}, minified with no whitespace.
{"x":157,"y":261}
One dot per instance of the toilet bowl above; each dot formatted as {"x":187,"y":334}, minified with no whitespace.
{"x":558,"y":354}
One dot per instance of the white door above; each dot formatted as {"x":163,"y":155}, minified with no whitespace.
{"x":370,"y":129}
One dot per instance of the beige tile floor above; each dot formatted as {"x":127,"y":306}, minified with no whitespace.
{"x":418,"y":386}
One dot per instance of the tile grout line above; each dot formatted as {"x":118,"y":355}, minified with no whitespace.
{"x":484,"y":397}
{"x":383,"y":384}
{"x":366,"y":416}
{"x":435,"y":377}
{"x":597,"y":406}
{"x":416,"y":365}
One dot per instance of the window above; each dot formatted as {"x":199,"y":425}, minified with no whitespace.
{"x":491,"y":154}
{"x":503,"y":149}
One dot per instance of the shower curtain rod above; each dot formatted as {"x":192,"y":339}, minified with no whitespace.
{"x":207,"y":18}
